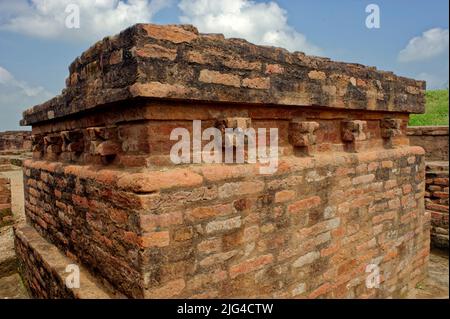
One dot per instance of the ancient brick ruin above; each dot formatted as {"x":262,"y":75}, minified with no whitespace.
{"x":15,"y":141}
{"x":434,"y":139}
{"x":101,"y":191}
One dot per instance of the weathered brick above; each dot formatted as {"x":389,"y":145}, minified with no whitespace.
{"x":383,"y":217}
{"x":156,"y":239}
{"x":240,"y":188}
{"x":364,"y":179}
{"x":154,"y":181}
{"x":173,"y":34}
{"x":250,"y":265}
{"x":304,"y":204}
{"x":284,"y":196}
{"x":200,"y":213}
{"x":215,"y":77}
{"x":152,"y":222}
{"x":223,"y":225}
{"x":217,"y":258}
{"x":156,"y":51}
{"x":306,"y":259}
{"x":317,"y":75}
{"x":210,"y":246}
{"x":256,"y":83}
{"x":169,"y":290}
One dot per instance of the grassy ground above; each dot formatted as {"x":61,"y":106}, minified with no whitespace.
{"x":436,"y":110}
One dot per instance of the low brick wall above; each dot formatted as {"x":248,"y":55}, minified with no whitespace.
{"x":436,"y":202}
{"x":43,"y":268}
{"x":434,"y":139}
{"x":6,"y":217}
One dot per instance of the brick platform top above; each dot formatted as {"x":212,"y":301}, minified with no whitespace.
{"x":177,"y":62}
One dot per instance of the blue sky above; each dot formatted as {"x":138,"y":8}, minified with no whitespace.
{"x":36,"y":48}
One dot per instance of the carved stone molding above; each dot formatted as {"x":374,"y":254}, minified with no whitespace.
{"x":302,"y":134}
{"x":390,"y":128}
{"x":354,"y":130}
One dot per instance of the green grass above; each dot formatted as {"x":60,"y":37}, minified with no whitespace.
{"x":436,"y":108}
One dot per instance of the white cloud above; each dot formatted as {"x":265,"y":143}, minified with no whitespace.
{"x":5,"y":76}
{"x":9,"y":81}
{"x":15,"y":97}
{"x":260,"y":23}
{"x":430,"y":44}
{"x":434,"y":82}
{"x":98,"y":18}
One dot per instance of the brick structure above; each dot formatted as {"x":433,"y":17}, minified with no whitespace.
{"x":6,"y":217}
{"x":102,"y":192}
{"x":436,"y":202}
{"x":15,"y":141}
{"x":434,"y":139}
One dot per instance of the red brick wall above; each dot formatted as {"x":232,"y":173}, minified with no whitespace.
{"x":436,"y":202}
{"x":434,"y":139}
{"x":15,"y":140}
{"x":224,"y":231}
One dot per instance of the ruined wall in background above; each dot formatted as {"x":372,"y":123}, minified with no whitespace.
{"x":436,"y":202}
{"x":15,"y":141}
{"x":434,"y":139}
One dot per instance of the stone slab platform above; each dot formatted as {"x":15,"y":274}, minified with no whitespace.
{"x":11,"y":287}
{"x":49,"y":271}
{"x":8,"y":260}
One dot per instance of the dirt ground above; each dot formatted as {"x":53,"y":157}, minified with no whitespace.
{"x":436,"y":285}
{"x":17,"y":195}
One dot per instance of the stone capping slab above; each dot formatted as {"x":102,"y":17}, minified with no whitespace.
{"x":54,"y":261}
{"x":146,"y":181}
{"x":176,"y":62}
{"x":437,"y":130}
{"x":436,"y":166}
